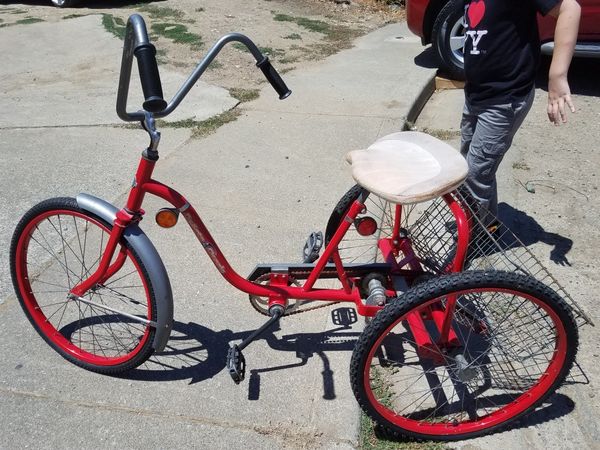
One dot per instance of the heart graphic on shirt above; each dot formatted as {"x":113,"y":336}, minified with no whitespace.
{"x":476,"y":13}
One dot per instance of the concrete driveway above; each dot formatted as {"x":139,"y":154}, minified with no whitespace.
{"x":262,"y":183}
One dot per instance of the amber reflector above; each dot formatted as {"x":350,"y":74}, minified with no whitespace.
{"x":167,"y":217}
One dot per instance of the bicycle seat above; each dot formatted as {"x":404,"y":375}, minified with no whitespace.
{"x":408,"y":167}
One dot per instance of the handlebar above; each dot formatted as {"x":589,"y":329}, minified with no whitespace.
{"x":138,"y":44}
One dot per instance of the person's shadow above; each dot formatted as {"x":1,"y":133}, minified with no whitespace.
{"x":529,"y":232}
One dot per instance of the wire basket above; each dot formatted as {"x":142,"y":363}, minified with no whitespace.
{"x":432,"y":230}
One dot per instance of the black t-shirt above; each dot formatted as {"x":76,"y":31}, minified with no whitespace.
{"x":502,"y":48}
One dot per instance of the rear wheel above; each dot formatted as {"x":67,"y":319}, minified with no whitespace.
{"x":355,"y":248}
{"x":55,"y":246}
{"x":430,"y":228}
{"x":514,"y":343}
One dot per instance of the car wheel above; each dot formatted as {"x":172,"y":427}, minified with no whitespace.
{"x":64,"y":3}
{"x":448,"y":36}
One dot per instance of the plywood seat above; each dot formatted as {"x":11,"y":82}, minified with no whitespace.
{"x":408,"y":167}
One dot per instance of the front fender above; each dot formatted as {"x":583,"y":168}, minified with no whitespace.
{"x":159,"y":279}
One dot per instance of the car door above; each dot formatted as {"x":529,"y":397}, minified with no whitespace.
{"x":589,"y":25}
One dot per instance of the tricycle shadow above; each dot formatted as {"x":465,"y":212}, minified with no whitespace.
{"x":198,"y":353}
{"x":555,"y":407}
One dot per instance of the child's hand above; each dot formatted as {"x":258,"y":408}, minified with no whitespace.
{"x":559,"y":97}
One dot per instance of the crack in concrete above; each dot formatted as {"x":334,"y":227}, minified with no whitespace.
{"x":277,"y":430}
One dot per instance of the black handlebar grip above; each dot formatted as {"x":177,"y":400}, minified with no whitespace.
{"x":153,"y":94}
{"x":274,"y":78}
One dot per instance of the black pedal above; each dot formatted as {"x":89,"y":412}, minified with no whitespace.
{"x":236,"y":364}
{"x":312,"y":247}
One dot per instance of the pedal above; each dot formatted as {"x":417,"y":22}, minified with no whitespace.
{"x":312,"y":248}
{"x":236,"y":364}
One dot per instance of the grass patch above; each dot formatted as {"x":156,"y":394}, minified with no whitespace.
{"x":28,"y":20}
{"x":114,"y":25}
{"x":337,"y":37}
{"x":186,"y":123}
{"x":444,"y":135}
{"x":289,"y":59}
{"x":164,"y":13}
{"x":521,"y":165}
{"x":316,"y":26}
{"x":244,"y":95}
{"x":209,"y":126}
{"x":203,"y":128}
{"x":293,"y":37}
{"x":372,"y":439}
{"x":178,"y":33}
{"x":73,"y":16}
{"x":273,"y":52}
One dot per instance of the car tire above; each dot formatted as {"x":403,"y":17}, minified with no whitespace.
{"x":448,"y":39}
{"x":65,"y":3}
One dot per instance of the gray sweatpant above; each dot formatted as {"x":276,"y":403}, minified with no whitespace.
{"x":487,"y":133}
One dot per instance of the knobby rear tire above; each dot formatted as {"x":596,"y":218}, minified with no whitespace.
{"x":517,"y":342}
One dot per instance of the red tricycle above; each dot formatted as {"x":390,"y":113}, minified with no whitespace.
{"x":446,"y":354}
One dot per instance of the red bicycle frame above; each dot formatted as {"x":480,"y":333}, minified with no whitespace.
{"x":278,"y":291}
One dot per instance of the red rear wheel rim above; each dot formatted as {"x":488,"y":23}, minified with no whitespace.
{"x":502,"y":415}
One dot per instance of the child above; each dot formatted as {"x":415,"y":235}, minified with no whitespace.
{"x":502,"y":51}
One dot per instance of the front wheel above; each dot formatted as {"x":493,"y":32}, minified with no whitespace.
{"x":513,"y":342}
{"x":109,"y":330}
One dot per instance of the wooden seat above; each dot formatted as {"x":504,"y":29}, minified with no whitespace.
{"x":408,"y":167}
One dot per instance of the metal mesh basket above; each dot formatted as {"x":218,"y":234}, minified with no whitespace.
{"x":432,"y":231}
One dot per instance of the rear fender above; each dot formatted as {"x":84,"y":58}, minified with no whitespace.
{"x":159,"y":279}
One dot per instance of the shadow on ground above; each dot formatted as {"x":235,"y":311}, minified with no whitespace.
{"x":198,"y":353}
{"x":558,"y":405}
{"x":530,"y":232}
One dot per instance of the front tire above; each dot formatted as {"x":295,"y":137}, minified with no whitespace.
{"x":56,"y":245}
{"x":516,"y":341}
{"x":448,"y":39}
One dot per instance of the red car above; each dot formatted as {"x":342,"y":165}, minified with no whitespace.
{"x":440,"y":22}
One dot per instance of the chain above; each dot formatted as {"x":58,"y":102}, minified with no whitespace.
{"x":258,"y":302}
